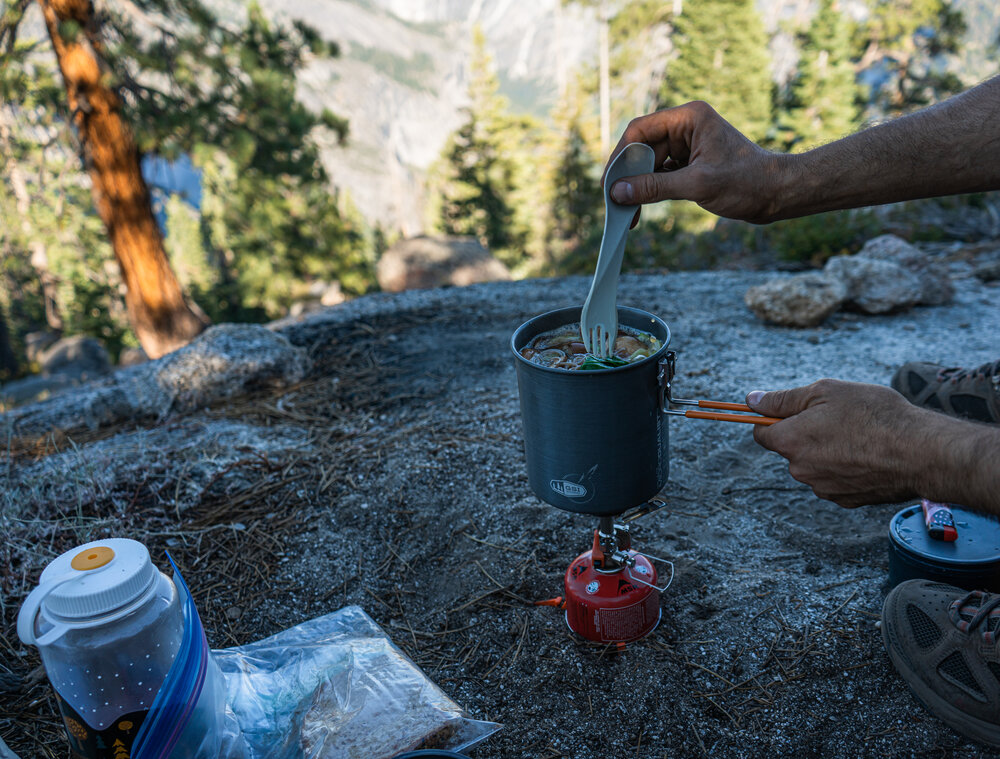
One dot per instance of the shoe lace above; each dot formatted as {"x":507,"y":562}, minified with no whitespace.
{"x":957,"y":373}
{"x":973,"y":609}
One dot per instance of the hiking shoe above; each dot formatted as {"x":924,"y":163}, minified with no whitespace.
{"x":943,"y":642}
{"x":972,"y":393}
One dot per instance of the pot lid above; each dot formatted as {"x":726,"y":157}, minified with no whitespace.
{"x":978,"y":540}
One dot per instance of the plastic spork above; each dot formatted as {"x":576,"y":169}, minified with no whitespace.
{"x":599,"y":318}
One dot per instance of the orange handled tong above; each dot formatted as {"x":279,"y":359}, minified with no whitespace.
{"x":667,"y":400}
{"x":745,"y":418}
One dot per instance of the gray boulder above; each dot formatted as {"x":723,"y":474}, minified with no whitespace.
{"x":423,"y":262}
{"x":987,"y":271}
{"x":875,"y":286}
{"x":65,"y":363}
{"x":35,"y":343}
{"x":225,"y":361}
{"x":78,"y":356}
{"x":802,"y":300}
{"x":132,"y":356}
{"x":936,"y":287}
{"x":34,"y":388}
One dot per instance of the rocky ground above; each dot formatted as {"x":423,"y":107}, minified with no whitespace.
{"x":390,"y":474}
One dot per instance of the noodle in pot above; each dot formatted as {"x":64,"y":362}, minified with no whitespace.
{"x":563,"y":348}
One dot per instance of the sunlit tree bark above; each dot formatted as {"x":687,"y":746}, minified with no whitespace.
{"x":162,"y":318}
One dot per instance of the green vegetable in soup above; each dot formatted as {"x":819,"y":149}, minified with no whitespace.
{"x":597,"y":362}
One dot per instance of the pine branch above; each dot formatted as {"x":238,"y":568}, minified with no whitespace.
{"x":9,"y":23}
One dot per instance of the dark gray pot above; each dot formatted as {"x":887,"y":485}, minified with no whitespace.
{"x":595,"y":441}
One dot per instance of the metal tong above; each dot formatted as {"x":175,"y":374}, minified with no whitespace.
{"x":667,"y":400}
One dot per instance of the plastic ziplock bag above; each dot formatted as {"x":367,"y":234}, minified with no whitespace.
{"x":336,"y":687}
{"x":175,"y":701}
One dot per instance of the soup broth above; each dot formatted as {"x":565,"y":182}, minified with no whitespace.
{"x":562,"y":348}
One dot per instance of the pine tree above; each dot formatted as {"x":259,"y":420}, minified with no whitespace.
{"x":906,"y":39}
{"x":472,"y":188}
{"x":161,"y":316}
{"x":722,"y":57}
{"x":823,"y":102}
{"x":173,"y":78}
{"x":574,"y":199}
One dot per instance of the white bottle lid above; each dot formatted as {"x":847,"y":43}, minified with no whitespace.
{"x":126,"y":573}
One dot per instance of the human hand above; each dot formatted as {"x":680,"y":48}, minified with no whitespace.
{"x":701,"y":157}
{"x":852,"y":443}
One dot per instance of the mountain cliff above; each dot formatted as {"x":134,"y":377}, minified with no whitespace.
{"x":401,"y":81}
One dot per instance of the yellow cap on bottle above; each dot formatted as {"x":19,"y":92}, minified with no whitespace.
{"x":92,"y":558}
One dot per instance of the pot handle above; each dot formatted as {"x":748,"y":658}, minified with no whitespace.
{"x":649,"y":584}
{"x":666,"y":375}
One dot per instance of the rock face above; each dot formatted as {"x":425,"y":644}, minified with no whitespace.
{"x":988,"y":271}
{"x":79,"y":356}
{"x":873,"y":285}
{"x":393,"y":452}
{"x":936,"y":287}
{"x":423,"y":262}
{"x":802,"y":300}
{"x":225,"y":361}
{"x":65,"y":363}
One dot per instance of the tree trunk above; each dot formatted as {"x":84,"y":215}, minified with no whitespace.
{"x":8,"y":361}
{"x":161,"y":317}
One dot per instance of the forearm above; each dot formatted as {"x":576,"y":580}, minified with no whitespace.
{"x":957,"y":462}
{"x":949,"y":148}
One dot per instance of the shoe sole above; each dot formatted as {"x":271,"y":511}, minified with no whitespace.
{"x":956,"y":719}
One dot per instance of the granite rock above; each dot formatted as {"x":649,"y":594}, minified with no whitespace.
{"x":78,"y":356}
{"x":423,"y":262}
{"x":875,"y":286}
{"x":936,"y":287}
{"x":802,"y":300}
{"x":225,"y":361}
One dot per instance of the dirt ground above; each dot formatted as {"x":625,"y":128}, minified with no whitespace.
{"x":398,"y":484}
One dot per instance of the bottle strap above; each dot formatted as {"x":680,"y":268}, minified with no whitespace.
{"x":29,"y":609}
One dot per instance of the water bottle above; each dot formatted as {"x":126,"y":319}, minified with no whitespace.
{"x":108,"y":626}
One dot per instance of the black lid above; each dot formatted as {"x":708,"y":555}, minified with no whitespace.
{"x":978,"y":541}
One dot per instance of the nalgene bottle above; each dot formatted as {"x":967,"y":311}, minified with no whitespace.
{"x":108,"y":625}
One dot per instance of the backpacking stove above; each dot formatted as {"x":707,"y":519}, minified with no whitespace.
{"x":611,"y":591}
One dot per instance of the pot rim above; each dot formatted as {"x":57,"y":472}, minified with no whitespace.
{"x":572,"y":372}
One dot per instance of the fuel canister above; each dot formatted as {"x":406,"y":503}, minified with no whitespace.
{"x":611,"y":607}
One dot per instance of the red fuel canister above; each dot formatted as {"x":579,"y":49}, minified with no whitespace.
{"x":611,"y":607}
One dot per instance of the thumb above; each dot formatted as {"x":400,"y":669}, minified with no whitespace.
{"x":651,"y":188}
{"x":780,"y":403}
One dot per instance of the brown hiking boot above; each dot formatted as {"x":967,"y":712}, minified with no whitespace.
{"x":971,"y":393}
{"x":943,"y":642}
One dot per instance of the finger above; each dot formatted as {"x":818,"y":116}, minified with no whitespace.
{"x":765,"y":437}
{"x":668,"y":131}
{"x":780,"y":403}
{"x":652,"y":188}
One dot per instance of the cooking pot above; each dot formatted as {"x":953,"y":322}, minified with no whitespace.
{"x":595,"y":441}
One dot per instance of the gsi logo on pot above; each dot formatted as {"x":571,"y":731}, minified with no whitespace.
{"x":568,"y":489}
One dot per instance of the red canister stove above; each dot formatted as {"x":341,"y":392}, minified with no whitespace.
{"x":611,"y":595}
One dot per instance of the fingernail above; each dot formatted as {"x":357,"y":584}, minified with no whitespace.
{"x":622,"y":192}
{"x":754,"y":397}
